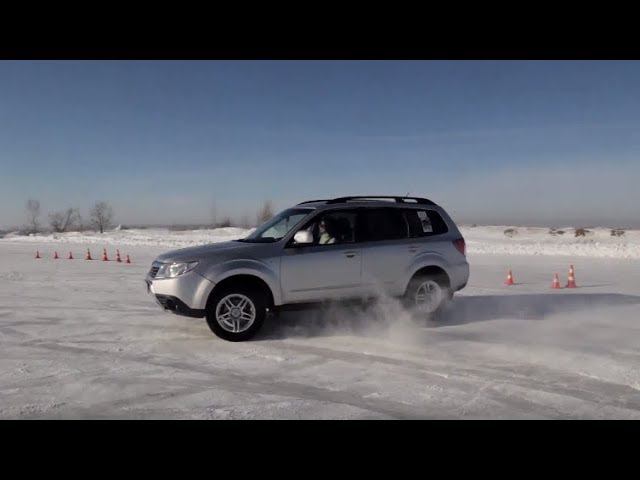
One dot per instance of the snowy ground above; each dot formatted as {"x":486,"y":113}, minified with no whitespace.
{"x":84,"y":340}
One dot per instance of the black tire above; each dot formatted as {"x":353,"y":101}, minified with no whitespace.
{"x":414,"y":284}
{"x":260,"y":302}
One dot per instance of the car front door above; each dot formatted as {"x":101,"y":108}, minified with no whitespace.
{"x":329,"y":267}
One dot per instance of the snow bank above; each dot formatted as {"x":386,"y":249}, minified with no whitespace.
{"x":597,"y":242}
{"x":138,"y":236}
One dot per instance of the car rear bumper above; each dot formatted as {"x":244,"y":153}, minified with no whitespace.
{"x":459,"y":276}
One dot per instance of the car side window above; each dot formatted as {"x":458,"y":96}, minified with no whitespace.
{"x":384,"y":224}
{"x":423,"y":223}
{"x":335,"y":227}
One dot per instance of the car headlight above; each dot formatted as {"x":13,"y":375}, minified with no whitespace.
{"x":172,"y":270}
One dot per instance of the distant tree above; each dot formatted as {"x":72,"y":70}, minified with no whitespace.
{"x":33,"y":213}
{"x":56,"y":220}
{"x":80,"y":225}
{"x":74,"y":219}
{"x":64,"y":221}
{"x":214,"y":214}
{"x":244,"y":221}
{"x":101,"y":216}
{"x":226,"y":222}
{"x":265,"y":212}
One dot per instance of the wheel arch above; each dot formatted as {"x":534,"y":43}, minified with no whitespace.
{"x":266,"y":271}
{"x":431,"y":270}
{"x":242,"y":279}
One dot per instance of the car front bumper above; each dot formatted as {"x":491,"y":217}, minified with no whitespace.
{"x":184,"y":295}
{"x":178,"y":307}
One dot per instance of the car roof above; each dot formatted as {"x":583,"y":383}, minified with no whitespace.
{"x":368,"y":201}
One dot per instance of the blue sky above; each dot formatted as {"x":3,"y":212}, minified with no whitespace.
{"x":494,"y":142}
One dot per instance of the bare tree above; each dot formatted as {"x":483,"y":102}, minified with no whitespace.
{"x":33,"y":213}
{"x":64,"y":221}
{"x":214,"y":214}
{"x":265,"y":213}
{"x":80,"y":222}
{"x":244,"y":221}
{"x":226,"y":222}
{"x":56,"y":220}
{"x":101,"y":216}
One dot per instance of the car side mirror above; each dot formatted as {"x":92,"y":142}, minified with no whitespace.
{"x":303,"y":237}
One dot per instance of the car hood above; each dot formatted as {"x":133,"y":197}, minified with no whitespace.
{"x":204,"y":251}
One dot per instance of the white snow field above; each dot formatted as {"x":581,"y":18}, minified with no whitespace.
{"x":83,"y":339}
{"x":597,"y":242}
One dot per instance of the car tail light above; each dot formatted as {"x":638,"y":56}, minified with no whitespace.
{"x":461,"y":246}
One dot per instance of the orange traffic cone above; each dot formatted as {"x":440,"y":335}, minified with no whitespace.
{"x":118,"y":259}
{"x":128,"y":259}
{"x":104,"y":255}
{"x":55,"y":256}
{"x":571,"y":281}
{"x":509,"y":280}
{"x":88,"y":257}
{"x":38,"y":254}
{"x":70,"y":256}
{"x":556,"y":282}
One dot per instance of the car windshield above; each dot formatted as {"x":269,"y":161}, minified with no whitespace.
{"x":277,"y":227}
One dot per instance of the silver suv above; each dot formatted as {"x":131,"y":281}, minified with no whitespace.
{"x":319,"y":250}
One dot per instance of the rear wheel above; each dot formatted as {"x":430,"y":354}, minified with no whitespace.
{"x":236,"y":313}
{"x":427,"y":295}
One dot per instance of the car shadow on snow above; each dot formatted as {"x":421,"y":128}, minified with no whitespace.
{"x":479,"y":308}
{"x":339,"y":319}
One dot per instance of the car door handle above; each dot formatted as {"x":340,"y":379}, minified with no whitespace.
{"x":350,"y":254}
{"x":413,"y":248}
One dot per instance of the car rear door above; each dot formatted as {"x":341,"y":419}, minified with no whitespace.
{"x":386,"y":249}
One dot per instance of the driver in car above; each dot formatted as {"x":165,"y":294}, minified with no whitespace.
{"x":325,"y":231}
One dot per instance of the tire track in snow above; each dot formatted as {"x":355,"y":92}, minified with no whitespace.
{"x":465,"y":378}
{"x":246,"y":383}
{"x":594,"y":390}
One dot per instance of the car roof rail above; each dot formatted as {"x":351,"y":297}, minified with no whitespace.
{"x":313,"y":201}
{"x":397,"y":199}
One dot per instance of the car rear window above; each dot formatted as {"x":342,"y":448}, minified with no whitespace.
{"x":424,"y":223}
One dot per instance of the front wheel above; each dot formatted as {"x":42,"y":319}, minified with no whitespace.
{"x":426,"y":296}
{"x":236,"y":314}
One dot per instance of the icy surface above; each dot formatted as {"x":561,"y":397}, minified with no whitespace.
{"x":598,"y":242}
{"x":83,"y":339}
